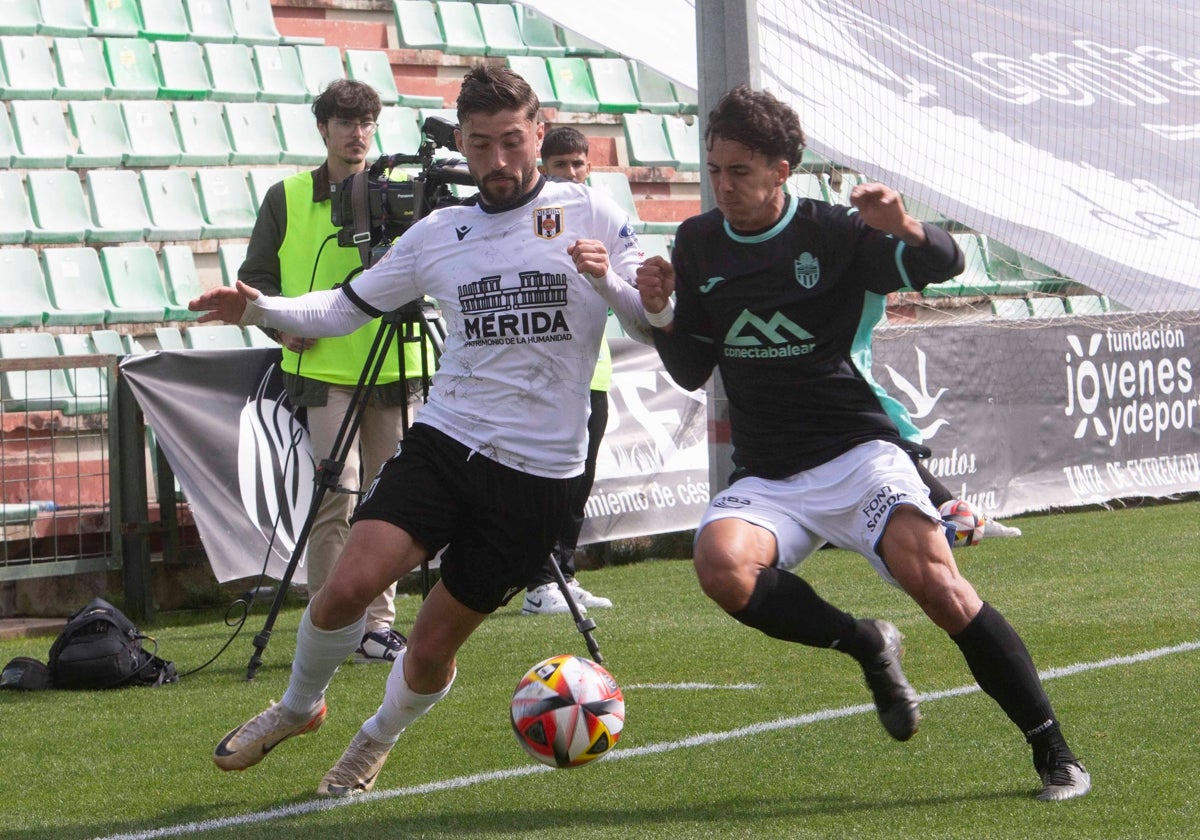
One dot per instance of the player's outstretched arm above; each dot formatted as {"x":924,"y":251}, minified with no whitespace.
{"x":223,"y":303}
{"x":882,"y":208}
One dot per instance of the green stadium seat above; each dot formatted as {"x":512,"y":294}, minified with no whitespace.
{"x":974,"y":279}
{"x":172,"y":205}
{"x":373,"y":67}
{"x":460,"y":25}
{"x":231,"y":71}
{"x":16,"y":219}
{"x":261,"y":179}
{"x":132,"y":68}
{"x":398,"y":131}
{"x":115,"y":18}
{"x":164,"y":20}
{"x":807,"y":185}
{"x":654,"y":90}
{"x":181,"y":277}
{"x":8,"y":140}
{"x":214,"y":337}
{"x":230,"y":256}
{"x":253,"y":133}
{"x":182,"y":70}
{"x":533,"y":69}
{"x":1017,"y":272}
{"x":151,"y":131}
{"x":135,"y":282}
{"x":279,"y":75}
{"x":21,"y":17}
{"x":839,"y":183}
{"x":656,"y":245}
{"x":1047,"y":307}
{"x":684,"y":139}
{"x":613,"y":84}
{"x":100,"y":130}
{"x":76,"y":285}
{"x":539,"y":33}
{"x":616,"y":186}
{"x":254,"y":21}
{"x":1083,"y":304}
{"x":501,"y":34}
{"x":60,"y":213}
{"x":229,"y":212}
{"x":572,"y":84}
{"x":582,"y":46}
{"x":109,"y":342}
{"x":34,"y":390}
{"x":82,"y":73}
{"x":923,"y":212}
{"x":118,"y":209}
{"x":255,"y":337}
{"x":64,"y":17}
{"x":29,"y":71}
{"x":210,"y":21}
{"x":41,"y":133}
{"x":202,"y":134}
{"x":417,"y":26}
{"x":688,"y":101}
{"x":169,"y":338}
{"x":89,"y":386}
{"x":1012,"y":309}
{"x":298,"y":133}
{"x":319,"y":65}
{"x":25,"y":302}
{"x":646,"y":141}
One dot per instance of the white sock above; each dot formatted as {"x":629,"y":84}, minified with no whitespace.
{"x":318,"y":655}
{"x":401,"y":705}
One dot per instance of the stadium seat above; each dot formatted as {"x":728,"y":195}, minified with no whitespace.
{"x":109,"y":342}
{"x":135,"y":282}
{"x":8,"y":140}
{"x":582,"y":46}
{"x":253,"y":133}
{"x":76,"y":285}
{"x":115,"y":18}
{"x":613,"y":84}
{"x":214,"y":337}
{"x":64,"y":17}
{"x":169,"y":338}
{"x":616,"y":185}
{"x":255,"y":337}
{"x":180,"y":277}
{"x":151,"y":132}
{"x":1018,"y":272}
{"x":1047,"y":307}
{"x":279,"y":76}
{"x":21,"y":17}
{"x":807,"y":185}
{"x":100,"y":131}
{"x":230,"y":256}
{"x":210,"y":21}
{"x":182,"y":70}
{"x":202,"y":134}
{"x":261,"y":179}
{"x":656,"y":245}
{"x":687,"y":98}
{"x":16,"y":219}
{"x":34,"y":390}
{"x":88,"y":385}
{"x":398,"y":131}
{"x":538,"y":33}
{"x":373,"y":67}
{"x":974,"y":279}
{"x":1087,"y":304}
{"x":501,"y":34}
{"x":172,"y":204}
{"x":838,"y":184}
{"x":132,"y":68}
{"x":684,"y":140}
{"x":301,"y":141}
{"x":572,"y":84}
{"x":29,"y":71}
{"x":118,"y":208}
{"x":60,"y":213}
{"x":82,"y":73}
{"x":319,"y":65}
{"x":654,"y":90}
{"x":225,"y":201}
{"x":460,"y":25}
{"x":533,"y":69}
{"x":417,"y":26}
{"x":164,"y":20}
{"x":25,"y":302}
{"x":231,"y":71}
{"x":1010,"y":308}
{"x":254,"y":21}
{"x":646,"y":141}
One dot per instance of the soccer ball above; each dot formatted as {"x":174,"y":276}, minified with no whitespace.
{"x":968,"y":522}
{"x":567,"y":711}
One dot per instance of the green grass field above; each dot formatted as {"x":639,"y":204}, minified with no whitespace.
{"x":778,"y":747}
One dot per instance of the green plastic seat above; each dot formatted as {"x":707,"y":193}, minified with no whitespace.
{"x":214,"y":337}
{"x":1047,"y":307}
{"x":210,"y":21}
{"x":539,"y":33}
{"x":417,"y":26}
{"x":1012,"y":309}
{"x":121,"y":18}
{"x":181,"y":277}
{"x":16,"y":219}
{"x":8,"y":141}
{"x":118,"y":209}
{"x":460,"y":25}
{"x":807,"y":185}
{"x":169,"y":338}
{"x":225,"y":201}
{"x":572,"y":84}
{"x":202,"y":134}
{"x":41,"y":133}
{"x":298,"y":133}
{"x":255,"y":337}
{"x":580,"y":45}
{"x":398,"y":132}
{"x":21,"y":17}
{"x":64,"y":17}
{"x":25,"y":302}
{"x":76,"y":285}
{"x":319,"y":65}
{"x":253,"y":132}
{"x":172,"y":204}
{"x":82,"y":73}
{"x":613,"y":84}
{"x":29,"y":71}
{"x":230,"y":256}
{"x":373,"y":67}
{"x":261,"y":179}
{"x":616,"y":186}
{"x":1083,"y":304}
{"x":654,"y":90}
{"x":533,"y":69}
{"x":89,"y":386}
{"x":253,"y":21}
{"x":150,"y":128}
{"x":60,"y":211}
{"x":108,"y":342}
{"x":231,"y":71}
{"x":182,"y":70}
{"x":100,"y":130}
{"x":684,"y":139}
{"x":280,"y":78}
{"x":165,"y":20}
{"x":132,"y":68}
{"x":501,"y":33}
{"x":135,"y":283}
{"x":689,"y":102}
{"x":34,"y":390}
{"x":646,"y":141}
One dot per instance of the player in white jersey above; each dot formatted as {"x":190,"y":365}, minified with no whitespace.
{"x":525,"y":277}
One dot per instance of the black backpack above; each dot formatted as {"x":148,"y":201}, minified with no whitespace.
{"x":101,"y":648}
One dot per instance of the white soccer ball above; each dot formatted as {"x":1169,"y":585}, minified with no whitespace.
{"x":967,"y":520}
{"x":567,"y":711}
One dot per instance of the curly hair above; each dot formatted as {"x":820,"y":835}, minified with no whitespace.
{"x":758,"y":121}
{"x":490,"y":89}
{"x":348,"y":99}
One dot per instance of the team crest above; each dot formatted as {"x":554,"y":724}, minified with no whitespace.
{"x":548,"y":222}
{"x":808,"y":270}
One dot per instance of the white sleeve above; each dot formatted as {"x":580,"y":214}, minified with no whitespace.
{"x":625,"y":302}
{"x":619,"y":286}
{"x":314,"y":315}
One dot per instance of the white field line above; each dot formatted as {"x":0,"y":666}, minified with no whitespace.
{"x":619,"y":754}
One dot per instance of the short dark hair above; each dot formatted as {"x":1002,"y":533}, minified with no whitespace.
{"x":491,"y":89}
{"x":564,"y":140}
{"x":347,"y":98}
{"x":758,"y":121}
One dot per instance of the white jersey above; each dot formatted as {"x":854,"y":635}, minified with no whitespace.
{"x":523,"y":325}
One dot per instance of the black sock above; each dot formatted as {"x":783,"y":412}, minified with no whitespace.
{"x":785,"y":607}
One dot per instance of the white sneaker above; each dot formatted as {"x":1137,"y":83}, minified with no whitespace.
{"x":249,"y":743}
{"x":994,"y":528}
{"x":585,"y":598}
{"x":358,"y":768}
{"x":546,"y":599}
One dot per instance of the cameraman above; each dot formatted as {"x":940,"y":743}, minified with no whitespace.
{"x":293,"y":250}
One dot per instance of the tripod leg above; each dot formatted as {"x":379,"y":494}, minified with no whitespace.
{"x":584,"y":625}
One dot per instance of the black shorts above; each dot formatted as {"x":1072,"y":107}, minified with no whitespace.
{"x":498,"y":524}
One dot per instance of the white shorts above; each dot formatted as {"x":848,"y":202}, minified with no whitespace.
{"x":846,"y":502}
